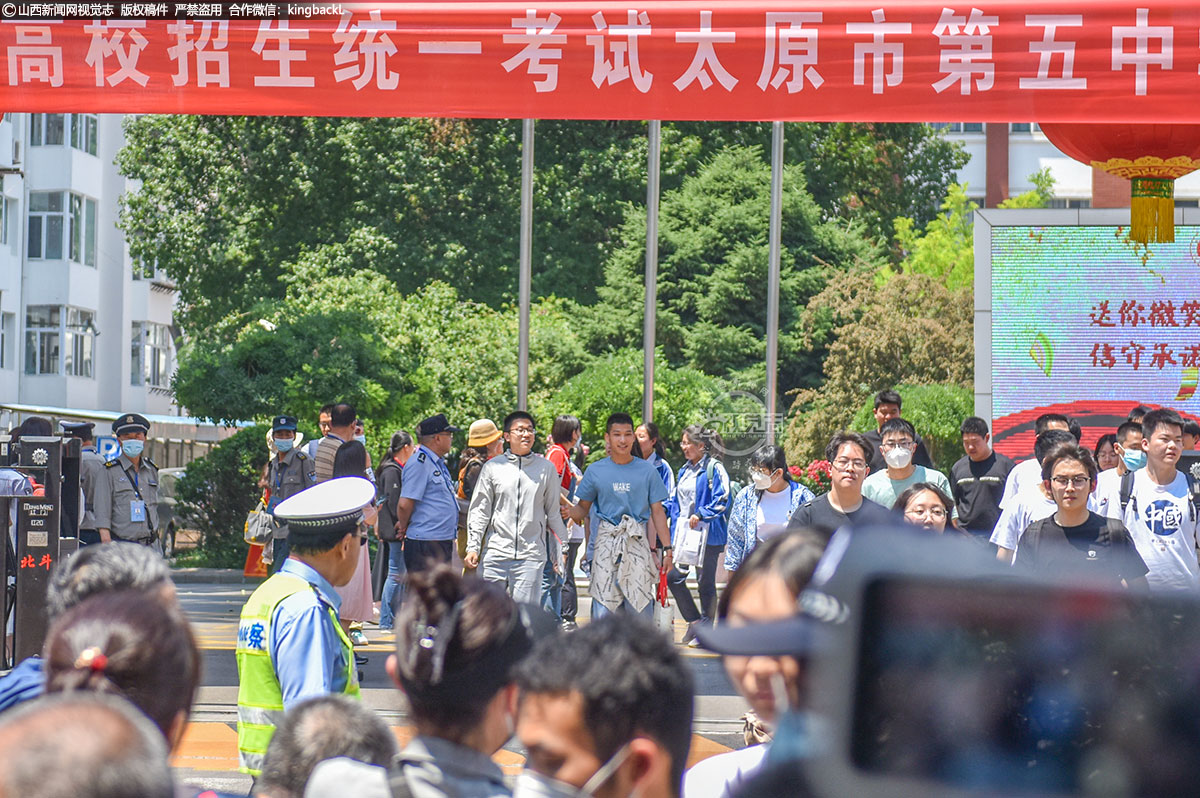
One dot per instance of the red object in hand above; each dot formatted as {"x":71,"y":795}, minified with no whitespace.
{"x":663,"y":591}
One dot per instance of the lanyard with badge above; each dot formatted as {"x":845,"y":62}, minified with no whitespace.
{"x":137,"y":507}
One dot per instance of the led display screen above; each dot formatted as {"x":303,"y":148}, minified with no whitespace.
{"x":1088,"y":323}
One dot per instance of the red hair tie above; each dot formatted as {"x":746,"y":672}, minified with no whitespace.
{"x":92,"y":659}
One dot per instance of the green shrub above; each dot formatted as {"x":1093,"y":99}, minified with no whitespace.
{"x":219,"y":489}
{"x":937,"y":411}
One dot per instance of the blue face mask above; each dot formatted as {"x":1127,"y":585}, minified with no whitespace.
{"x":1134,"y":459}
{"x":284,"y":444}
{"x":361,"y":439}
{"x":132,"y":447}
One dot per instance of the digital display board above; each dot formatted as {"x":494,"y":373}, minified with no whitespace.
{"x":1088,"y":323}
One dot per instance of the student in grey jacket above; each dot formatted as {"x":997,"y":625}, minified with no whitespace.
{"x":514,"y":523}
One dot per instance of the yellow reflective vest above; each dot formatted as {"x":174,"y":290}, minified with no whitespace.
{"x":260,"y":697}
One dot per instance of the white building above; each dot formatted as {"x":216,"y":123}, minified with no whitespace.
{"x":81,"y":325}
{"x":1024,"y":151}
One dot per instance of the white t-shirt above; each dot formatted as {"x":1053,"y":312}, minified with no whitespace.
{"x":720,"y":776}
{"x":1028,"y":506}
{"x":1108,"y":483}
{"x":685,"y":491}
{"x":1025,"y":473}
{"x":774,"y":509}
{"x":1162,"y":522}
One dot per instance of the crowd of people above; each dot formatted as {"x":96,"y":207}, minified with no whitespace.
{"x":476,"y":578}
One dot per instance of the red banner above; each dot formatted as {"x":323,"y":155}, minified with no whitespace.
{"x":985,"y":60}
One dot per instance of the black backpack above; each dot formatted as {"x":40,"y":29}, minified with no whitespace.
{"x":1127,"y":493}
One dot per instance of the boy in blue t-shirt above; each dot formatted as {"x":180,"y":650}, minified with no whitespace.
{"x":628,"y":494}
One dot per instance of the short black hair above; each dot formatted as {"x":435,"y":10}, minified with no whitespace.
{"x":974,"y":426}
{"x":564,"y":429}
{"x":617,"y":418}
{"x":1048,"y":440}
{"x":889,"y":397}
{"x":1107,"y":439}
{"x":631,"y":679}
{"x":1069,"y":451}
{"x":1045,"y":419}
{"x":515,"y":416}
{"x":843,"y":437}
{"x":326,"y":410}
{"x":343,"y":415}
{"x":898,"y":424}
{"x":1126,"y":428}
{"x":1139,"y":411}
{"x":1074,"y":427}
{"x":920,"y":487}
{"x":86,"y":745}
{"x":1191,"y":427}
{"x":118,"y":565}
{"x":1162,"y":417}
{"x":350,"y":460}
{"x":770,"y":457}
{"x":317,"y":729}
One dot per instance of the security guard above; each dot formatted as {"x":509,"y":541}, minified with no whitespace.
{"x":91,"y":473}
{"x":127,"y":493}
{"x":288,"y":473}
{"x":290,"y":645}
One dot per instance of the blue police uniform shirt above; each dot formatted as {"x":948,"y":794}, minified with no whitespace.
{"x":305,"y":648}
{"x":617,"y":490}
{"x":427,"y":482}
{"x":25,"y":682}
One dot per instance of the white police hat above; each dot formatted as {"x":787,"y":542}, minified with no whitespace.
{"x":329,"y":507}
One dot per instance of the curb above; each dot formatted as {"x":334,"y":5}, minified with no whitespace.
{"x":212,"y":576}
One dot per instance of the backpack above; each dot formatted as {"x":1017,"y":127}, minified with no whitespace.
{"x":734,"y":487}
{"x":385,"y":527}
{"x":1127,"y":493}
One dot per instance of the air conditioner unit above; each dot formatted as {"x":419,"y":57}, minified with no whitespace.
{"x":16,"y":152}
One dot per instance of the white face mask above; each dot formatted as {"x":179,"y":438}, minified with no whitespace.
{"x":898,"y":457}
{"x":531,"y":784}
{"x":761,"y":481}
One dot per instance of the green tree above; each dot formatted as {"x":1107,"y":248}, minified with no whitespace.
{"x":911,"y":330}
{"x":713,"y":271}
{"x":937,"y":412}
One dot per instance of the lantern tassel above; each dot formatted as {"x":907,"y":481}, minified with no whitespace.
{"x":1152,"y":210}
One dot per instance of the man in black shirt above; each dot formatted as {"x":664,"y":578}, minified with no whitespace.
{"x":977,"y":479}
{"x":844,"y":505}
{"x":887,"y":407}
{"x":1075,"y":540}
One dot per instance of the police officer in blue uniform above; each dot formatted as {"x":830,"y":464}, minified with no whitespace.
{"x":427,"y":518}
{"x":289,"y":472}
{"x":126,"y":504}
{"x":91,"y":472}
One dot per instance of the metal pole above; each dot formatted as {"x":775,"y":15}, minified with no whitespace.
{"x":654,"y":150}
{"x":526,"y":262}
{"x":774,"y":236}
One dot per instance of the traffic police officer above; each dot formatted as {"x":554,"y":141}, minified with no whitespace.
{"x":91,"y":473}
{"x":290,"y":645}
{"x":427,"y":518}
{"x":126,"y":506}
{"x":288,"y":473}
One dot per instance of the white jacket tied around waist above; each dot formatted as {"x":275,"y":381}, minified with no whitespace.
{"x":515,"y":500}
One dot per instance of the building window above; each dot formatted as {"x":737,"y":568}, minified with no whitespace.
{"x":7,"y":322}
{"x":958,"y":127}
{"x":42,"y":338}
{"x":46,"y":129}
{"x":143,"y":270}
{"x":5,"y":215}
{"x":46,"y":328}
{"x":150,"y":355}
{"x":81,"y":331}
{"x":48,"y":223}
{"x":83,"y":132}
{"x":1074,"y":204}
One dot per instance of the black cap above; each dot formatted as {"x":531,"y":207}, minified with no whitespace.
{"x":78,"y":429}
{"x":283,"y":422}
{"x":435,"y":424}
{"x":130,"y":422}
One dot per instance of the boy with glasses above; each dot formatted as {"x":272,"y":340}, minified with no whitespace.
{"x":514,"y":523}
{"x":844,"y":504}
{"x":899,"y":441}
{"x":1074,"y":539}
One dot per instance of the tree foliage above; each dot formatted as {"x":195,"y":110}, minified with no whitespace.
{"x":712,"y":290}
{"x":911,"y":330}
{"x":937,"y":412}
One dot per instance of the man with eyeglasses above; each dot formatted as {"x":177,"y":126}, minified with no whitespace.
{"x":899,"y":441}
{"x":844,"y":505}
{"x":1075,"y":540}
{"x":514,"y":522}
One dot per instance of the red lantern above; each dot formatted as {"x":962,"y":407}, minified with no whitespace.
{"x":1151,"y":157}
